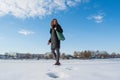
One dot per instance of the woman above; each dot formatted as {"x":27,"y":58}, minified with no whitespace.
{"x":54,"y":41}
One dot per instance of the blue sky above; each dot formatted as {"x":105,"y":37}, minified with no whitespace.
{"x":87,"y":25}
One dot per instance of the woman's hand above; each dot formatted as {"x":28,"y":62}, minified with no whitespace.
{"x":49,"y":43}
{"x":55,"y":28}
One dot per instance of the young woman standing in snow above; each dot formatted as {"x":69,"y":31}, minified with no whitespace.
{"x":54,"y":41}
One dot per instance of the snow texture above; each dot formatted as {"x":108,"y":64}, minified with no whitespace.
{"x":104,"y":69}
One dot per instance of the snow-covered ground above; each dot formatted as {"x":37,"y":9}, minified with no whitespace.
{"x":104,"y":69}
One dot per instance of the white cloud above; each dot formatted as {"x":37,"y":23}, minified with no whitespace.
{"x":33,"y":8}
{"x":73,"y":3}
{"x":98,"y":18}
{"x":25,"y":32}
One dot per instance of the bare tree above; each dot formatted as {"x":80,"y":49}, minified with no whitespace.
{"x":63,"y":56}
{"x":75,"y":54}
{"x":51,"y":56}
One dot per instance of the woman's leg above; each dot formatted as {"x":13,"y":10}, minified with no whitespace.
{"x":58,"y":54}
{"x":53,"y":51}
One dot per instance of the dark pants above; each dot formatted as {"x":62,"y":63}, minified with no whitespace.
{"x":57,"y":54}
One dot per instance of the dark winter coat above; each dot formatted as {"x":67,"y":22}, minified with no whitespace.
{"x":55,"y":42}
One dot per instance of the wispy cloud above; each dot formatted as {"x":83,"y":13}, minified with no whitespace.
{"x":98,"y":18}
{"x":33,"y":8}
{"x":25,"y":32}
{"x":73,"y":3}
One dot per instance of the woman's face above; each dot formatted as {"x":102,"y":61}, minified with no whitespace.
{"x":54,"y":22}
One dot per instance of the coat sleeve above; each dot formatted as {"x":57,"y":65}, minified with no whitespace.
{"x":50,"y":36}
{"x":59,"y":29}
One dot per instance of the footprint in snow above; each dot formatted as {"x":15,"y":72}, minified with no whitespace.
{"x":68,"y":68}
{"x":52,"y":75}
{"x":57,"y":75}
{"x":71,"y":68}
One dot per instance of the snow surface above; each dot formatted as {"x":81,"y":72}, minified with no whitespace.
{"x":104,"y":69}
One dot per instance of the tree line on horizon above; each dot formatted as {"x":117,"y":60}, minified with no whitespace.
{"x":87,"y":54}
